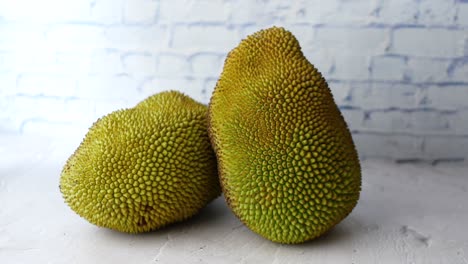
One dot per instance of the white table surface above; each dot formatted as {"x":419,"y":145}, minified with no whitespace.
{"x":408,"y":213}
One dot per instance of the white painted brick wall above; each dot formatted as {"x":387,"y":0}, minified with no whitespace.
{"x":398,"y":68}
{"x":199,"y":37}
{"x":139,"y":64}
{"x":397,"y":12}
{"x":437,"y":13}
{"x":389,"y":68}
{"x":140,"y":11}
{"x":429,"y":42}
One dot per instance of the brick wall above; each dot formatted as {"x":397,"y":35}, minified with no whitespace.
{"x":397,"y":68}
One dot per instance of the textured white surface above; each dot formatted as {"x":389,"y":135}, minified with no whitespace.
{"x":410,"y":213}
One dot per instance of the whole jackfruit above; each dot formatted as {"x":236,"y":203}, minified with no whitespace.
{"x":287,"y":163}
{"x":142,"y":168}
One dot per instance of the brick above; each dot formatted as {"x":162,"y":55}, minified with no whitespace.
{"x":384,"y":95}
{"x":424,"y":122}
{"x":397,"y":12}
{"x":120,"y":87}
{"x":140,"y":11}
{"x":389,"y":68}
{"x":353,"y":118}
{"x":7,"y":84}
{"x":73,"y":63}
{"x":29,"y":61}
{"x":244,"y":11}
{"x":44,"y":108}
{"x":350,"y":67}
{"x":427,"y":70}
{"x":137,"y":38}
{"x":448,"y":147}
{"x":266,"y":13}
{"x":458,"y":70}
{"x":19,"y":36}
{"x":433,"y":12}
{"x":106,"y":11}
{"x":173,"y":11}
{"x":458,"y":122}
{"x":9,"y":120}
{"x":273,"y":11}
{"x":206,"y":65}
{"x":48,"y":85}
{"x":172,"y":65}
{"x":357,"y":12}
{"x":139,"y":64}
{"x":189,"y":86}
{"x":352,"y":41}
{"x":392,"y":146}
{"x":388,"y":121}
{"x":315,"y":12}
{"x":323,"y":60}
{"x":426,"y":42}
{"x":6,"y":105}
{"x":204,"y":38}
{"x":83,"y":111}
{"x":76,"y":36}
{"x":449,"y":97}
{"x":341,"y":92}
{"x":260,"y":13}
{"x":4,"y":61}
{"x":9,"y":125}
{"x":44,"y":11}
{"x":312,"y":12}
{"x":105,"y":62}
{"x":304,"y":34}
{"x":462,"y":14}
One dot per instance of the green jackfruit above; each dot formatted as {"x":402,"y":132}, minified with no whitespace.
{"x":142,"y":168}
{"x":287,"y":163}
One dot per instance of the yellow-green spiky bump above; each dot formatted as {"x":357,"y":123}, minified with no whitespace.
{"x":287,"y":163}
{"x":142,"y":168}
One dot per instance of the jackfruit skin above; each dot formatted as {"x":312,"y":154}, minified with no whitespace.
{"x":287,"y":163}
{"x":142,"y":168}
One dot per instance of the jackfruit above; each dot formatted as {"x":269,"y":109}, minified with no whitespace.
{"x":286,"y":159}
{"x":142,"y":168}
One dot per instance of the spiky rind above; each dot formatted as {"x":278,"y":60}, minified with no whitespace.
{"x":287,"y":163}
{"x":142,"y":168}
